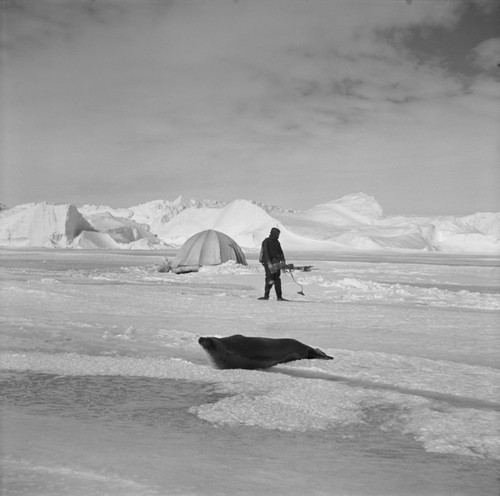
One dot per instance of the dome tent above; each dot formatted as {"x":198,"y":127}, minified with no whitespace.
{"x":207,"y":248}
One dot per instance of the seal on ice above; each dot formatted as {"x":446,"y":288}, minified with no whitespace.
{"x":241,"y":352}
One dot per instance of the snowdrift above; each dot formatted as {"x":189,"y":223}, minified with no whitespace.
{"x":354,"y":222}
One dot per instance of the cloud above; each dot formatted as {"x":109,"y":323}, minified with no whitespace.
{"x":486,"y":55}
{"x":328,"y":92}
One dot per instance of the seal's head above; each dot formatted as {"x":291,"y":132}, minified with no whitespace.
{"x":206,"y":343}
{"x":215,"y":350}
{"x":275,"y":233}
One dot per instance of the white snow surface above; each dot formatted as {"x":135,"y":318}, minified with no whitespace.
{"x":355,"y":222}
{"x":107,"y":391}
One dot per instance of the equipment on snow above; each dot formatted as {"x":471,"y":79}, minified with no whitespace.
{"x":289,"y":268}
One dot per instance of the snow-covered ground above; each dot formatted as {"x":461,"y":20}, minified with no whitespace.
{"x":106,"y":390}
{"x":354,"y":222}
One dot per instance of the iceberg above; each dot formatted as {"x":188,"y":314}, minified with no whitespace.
{"x":94,"y":240}
{"x":41,"y":225}
{"x":355,"y":222}
{"x":124,"y":230}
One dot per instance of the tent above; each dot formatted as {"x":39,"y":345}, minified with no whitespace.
{"x":207,"y":248}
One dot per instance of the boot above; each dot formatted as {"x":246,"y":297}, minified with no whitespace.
{"x":277,"y":287}
{"x":267,"y":289}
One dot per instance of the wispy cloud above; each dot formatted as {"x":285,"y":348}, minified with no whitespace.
{"x":486,"y":55}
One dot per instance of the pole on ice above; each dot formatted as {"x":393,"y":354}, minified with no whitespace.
{"x":301,"y":292}
{"x":289,"y":268}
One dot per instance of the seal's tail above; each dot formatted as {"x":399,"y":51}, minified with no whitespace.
{"x":320,"y":354}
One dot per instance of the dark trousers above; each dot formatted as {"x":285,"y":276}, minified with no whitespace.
{"x":272,"y":279}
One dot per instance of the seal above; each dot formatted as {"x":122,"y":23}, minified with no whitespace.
{"x":241,"y":352}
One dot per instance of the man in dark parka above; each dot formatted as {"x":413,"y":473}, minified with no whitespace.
{"x":271,"y":255}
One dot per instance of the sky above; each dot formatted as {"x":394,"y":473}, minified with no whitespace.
{"x":286,"y":102}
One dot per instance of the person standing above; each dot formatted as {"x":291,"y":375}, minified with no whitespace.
{"x":272,"y":257}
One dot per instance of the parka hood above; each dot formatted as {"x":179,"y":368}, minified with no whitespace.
{"x":275,"y":232}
